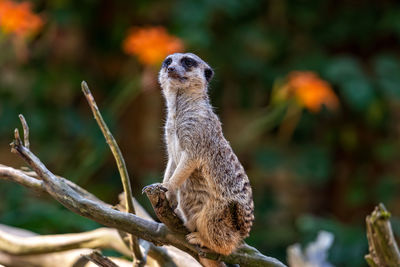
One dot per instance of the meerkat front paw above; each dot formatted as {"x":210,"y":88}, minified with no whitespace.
{"x":195,"y":239}
{"x":154,"y":189}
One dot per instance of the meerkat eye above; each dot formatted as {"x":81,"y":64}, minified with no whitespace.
{"x":188,"y":62}
{"x":208,"y":73}
{"x":167,"y":62}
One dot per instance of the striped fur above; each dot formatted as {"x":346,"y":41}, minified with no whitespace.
{"x":215,"y":199}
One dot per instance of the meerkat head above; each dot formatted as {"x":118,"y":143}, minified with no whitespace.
{"x":186,"y":71}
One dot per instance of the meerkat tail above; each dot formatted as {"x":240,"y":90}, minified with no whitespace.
{"x":216,"y":230}
{"x":243,"y":217}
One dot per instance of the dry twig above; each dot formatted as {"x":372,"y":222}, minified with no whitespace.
{"x":383,"y":249}
{"x":138,"y":257}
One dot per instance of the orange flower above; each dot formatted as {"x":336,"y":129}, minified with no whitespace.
{"x":311,"y":91}
{"x":17,"y":18}
{"x":151,"y":44}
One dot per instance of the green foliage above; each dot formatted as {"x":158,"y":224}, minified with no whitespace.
{"x":39,"y":215}
{"x":353,"y":83}
{"x":387,"y":70}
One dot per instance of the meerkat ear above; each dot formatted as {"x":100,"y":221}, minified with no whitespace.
{"x":208,"y":73}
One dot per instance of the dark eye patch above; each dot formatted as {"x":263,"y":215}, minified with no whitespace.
{"x":208,"y":73}
{"x":166,"y":62}
{"x":188,"y":63}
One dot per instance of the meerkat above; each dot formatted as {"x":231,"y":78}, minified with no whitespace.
{"x":204,"y":178}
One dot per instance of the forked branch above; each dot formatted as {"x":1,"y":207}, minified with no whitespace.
{"x":157,"y":233}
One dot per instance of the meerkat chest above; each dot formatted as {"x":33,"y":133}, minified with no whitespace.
{"x":173,"y":146}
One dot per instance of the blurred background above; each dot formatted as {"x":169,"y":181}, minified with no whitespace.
{"x":308,"y":93}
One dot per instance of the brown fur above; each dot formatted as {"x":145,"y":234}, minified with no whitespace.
{"x":204,"y":178}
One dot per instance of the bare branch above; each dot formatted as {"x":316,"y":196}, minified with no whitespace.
{"x":30,"y":180}
{"x":100,"y":260}
{"x":60,"y":190}
{"x":383,"y":249}
{"x":26,"y":130}
{"x":20,"y":247}
{"x":156,"y":233}
{"x":69,"y":258}
{"x":139,"y":260}
{"x":16,"y":136}
{"x":164,"y":212}
{"x":105,"y":238}
{"x":113,"y":146}
{"x":25,"y":178}
{"x":245,"y":256}
{"x":65,"y":258}
{"x":21,"y":178}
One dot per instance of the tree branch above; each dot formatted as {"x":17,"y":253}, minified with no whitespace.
{"x":383,"y":249}
{"x":30,"y":180}
{"x":25,"y":178}
{"x":123,"y":172}
{"x":13,"y":175}
{"x":100,"y":260}
{"x":20,"y":245}
{"x":105,"y":238}
{"x":158,"y":199}
{"x":68,"y":258}
{"x":156,"y":233}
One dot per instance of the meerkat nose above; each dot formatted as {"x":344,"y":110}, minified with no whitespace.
{"x":175,"y":72}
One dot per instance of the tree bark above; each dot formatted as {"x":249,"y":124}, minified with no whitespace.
{"x":383,"y":249}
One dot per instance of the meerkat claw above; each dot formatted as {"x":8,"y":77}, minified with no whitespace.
{"x":195,"y":239}
{"x":154,"y":189}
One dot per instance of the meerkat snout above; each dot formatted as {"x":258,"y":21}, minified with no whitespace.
{"x":176,"y":72}
{"x":185,"y":71}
